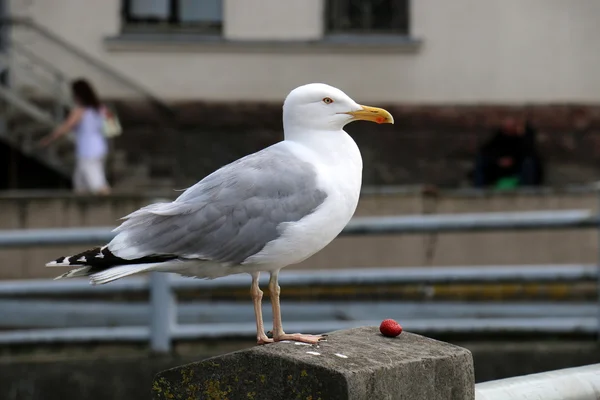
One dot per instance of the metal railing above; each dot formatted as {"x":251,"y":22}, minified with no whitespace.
{"x":476,"y":222}
{"x":32,"y":32}
{"x":163,"y":315}
{"x":580,"y":383}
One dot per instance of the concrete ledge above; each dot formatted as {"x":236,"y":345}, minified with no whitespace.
{"x":353,"y":364}
{"x":185,"y":42}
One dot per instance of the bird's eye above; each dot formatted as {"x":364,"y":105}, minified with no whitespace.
{"x":327,"y":100}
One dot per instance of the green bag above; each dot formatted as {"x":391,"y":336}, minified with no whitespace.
{"x":509,"y":182}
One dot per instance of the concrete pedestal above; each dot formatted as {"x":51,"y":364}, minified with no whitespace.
{"x":357,"y":364}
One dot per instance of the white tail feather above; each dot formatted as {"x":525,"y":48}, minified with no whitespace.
{"x":122,"y":271}
{"x":83,"y":271}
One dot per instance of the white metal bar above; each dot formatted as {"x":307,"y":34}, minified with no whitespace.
{"x":572,"y":325}
{"x":406,"y":275}
{"x":36,"y":287}
{"x":493,"y":221}
{"x":62,"y":314}
{"x":438,"y":325}
{"x":351,"y":276}
{"x":55,"y":236}
{"x":529,"y":220}
{"x":76,"y":335}
{"x":581,"y":383}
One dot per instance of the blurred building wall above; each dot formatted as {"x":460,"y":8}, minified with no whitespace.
{"x":464,"y":51}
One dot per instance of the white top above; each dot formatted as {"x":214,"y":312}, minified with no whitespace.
{"x":89,"y":137}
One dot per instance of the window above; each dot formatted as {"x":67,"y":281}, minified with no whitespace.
{"x":368,"y":16}
{"x":203,"y":15}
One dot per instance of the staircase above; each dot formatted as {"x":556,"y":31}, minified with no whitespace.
{"x":35,"y":98}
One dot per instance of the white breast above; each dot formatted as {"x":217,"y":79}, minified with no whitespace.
{"x":339,"y":170}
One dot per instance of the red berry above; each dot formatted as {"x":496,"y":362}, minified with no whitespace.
{"x":390,"y":328}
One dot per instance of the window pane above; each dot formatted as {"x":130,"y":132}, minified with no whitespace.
{"x":365,"y":16}
{"x":155,"y":9}
{"x":200,"y":10}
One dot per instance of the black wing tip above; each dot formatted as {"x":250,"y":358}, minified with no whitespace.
{"x":101,"y":258}
{"x":82,"y":259}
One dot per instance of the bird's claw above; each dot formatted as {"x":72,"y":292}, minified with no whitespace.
{"x":294,"y":337}
{"x":299,"y":337}
{"x":264,"y":340}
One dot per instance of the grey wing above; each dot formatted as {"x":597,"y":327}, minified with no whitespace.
{"x":228,"y":216}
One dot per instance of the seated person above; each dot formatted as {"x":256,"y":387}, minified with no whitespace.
{"x":509,"y":158}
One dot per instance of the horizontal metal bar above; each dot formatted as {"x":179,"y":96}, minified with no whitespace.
{"x":76,"y":335}
{"x":37,"y":287}
{"x":248,"y":329}
{"x":46,"y":314}
{"x":494,"y":221}
{"x":402,"y":275}
{"x":371,"y":276}
{"x":55,"y":236}
{"x":559,"y":219}
{"x":580,"y":383}
{"x":425,"y":326}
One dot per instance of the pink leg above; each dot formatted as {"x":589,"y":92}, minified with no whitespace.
{"x":257,"y":295}
{"x":278,"y":333}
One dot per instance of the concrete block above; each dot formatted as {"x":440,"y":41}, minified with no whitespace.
{"x":357,"y":364}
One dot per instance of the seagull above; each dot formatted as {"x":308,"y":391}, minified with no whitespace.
{"x":261,"y":213}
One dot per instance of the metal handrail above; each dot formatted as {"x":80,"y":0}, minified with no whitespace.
{"x":530,"y":220}
{"x":101,"y":66}
{"x":163,"y":327}
{"x":475,"y":222}
{"x":15,"y":45}
{"x":53,"y":86}
{"x":35,"y":60}
{"x":162,"y":342}
{"x":332,"y":277}
{"x":63,"y":312}
{"x":166,"y":115}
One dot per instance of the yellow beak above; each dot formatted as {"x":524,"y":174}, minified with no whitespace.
{"x":373,"y":114}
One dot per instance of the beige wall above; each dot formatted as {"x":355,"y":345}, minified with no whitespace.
{"x":273,"y":20}
{"x":509,"y":51}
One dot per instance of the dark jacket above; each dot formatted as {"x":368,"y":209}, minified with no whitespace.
{"x":520,"y":148}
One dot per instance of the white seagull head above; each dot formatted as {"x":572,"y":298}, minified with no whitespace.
{"x":320,"y":107}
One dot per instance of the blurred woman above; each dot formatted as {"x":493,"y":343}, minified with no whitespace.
{"x":91,"y":145}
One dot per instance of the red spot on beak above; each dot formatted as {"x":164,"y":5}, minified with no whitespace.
{"x":380,"y":120}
